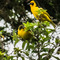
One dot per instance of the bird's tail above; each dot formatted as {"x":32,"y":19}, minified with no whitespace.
{"x":53,"y":24}
{"x":48,"y":19}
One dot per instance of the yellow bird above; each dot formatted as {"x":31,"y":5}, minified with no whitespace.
{"x":44,"y":16}
{"x":26,"y":35}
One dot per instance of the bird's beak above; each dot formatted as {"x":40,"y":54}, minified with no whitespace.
{"x":30,"y":4}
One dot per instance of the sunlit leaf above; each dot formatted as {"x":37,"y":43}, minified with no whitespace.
{"x":15,"y":37}
{"x":23,"y":45}
{"x":22,"y":58}
{"x":56,"y":57}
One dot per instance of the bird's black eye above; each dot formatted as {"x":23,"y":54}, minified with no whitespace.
{"x":32,"y":3}
{"x":21,"y":27}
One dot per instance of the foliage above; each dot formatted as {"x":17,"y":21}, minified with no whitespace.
{"x":41,"y":33}
{"x":40,"y":11}
{"x":14,"y":13}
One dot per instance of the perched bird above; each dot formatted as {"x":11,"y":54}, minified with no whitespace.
{"x":26,"y":35}
{"x":44,"y":16}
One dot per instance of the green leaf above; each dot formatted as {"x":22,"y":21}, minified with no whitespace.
{"x":31,"y":46}
{"x":8,"y":57}
{"x":57,"y":41}
{"x":22,"y":58}
{"x":49,"y":30}
{"x":45,"y":58}
{"x":4,"y":58}
{"x":46,"y":39}
{"x":16,"y":41}
{"x":15,"y":37}
{"x":1,"y":54}
{"x":40,"y":11}
{"x":1,"y":32}
{"x":56,"y":57}
{"x":34,"y":51}
{"x":44,"y":54}
{"x":45,"y":49}
{"x":27,"y":53}
{"x":28,"y":47}
{"x":23,"y":45}
{"x":51,"y":4}
{"x":11,"y":57}
{"x":29,"y":26}
{"x":46,"y":23}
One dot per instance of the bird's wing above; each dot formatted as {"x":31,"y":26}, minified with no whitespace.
{"x":44,"y":12}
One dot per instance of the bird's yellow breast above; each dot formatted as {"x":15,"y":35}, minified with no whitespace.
{"x":24,"y":34}
{"x":34,"y":10}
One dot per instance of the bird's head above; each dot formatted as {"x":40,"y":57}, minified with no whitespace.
{"x":21,"y":27}
{"x":32,"y":3}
